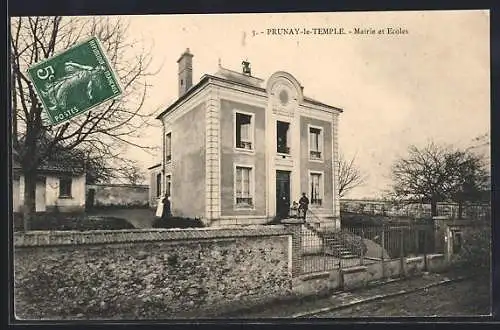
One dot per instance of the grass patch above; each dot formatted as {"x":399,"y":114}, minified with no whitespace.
{"x":100,"y":207}
{"x":178,"y":222}
{"x":77,"y":221}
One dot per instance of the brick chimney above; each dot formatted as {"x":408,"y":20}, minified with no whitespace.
{"x":185,"y":72}
{"x":246,"y":68}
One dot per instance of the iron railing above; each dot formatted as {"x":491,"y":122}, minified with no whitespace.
{"x":363,"y":244}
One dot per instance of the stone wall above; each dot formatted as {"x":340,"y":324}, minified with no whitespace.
{"x":356,"y":277}
{"x":123,"y":195}
{"x":149,"y":274}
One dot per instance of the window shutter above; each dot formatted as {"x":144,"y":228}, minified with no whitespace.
{"x":320,"y":141}
{"x":246,"y":182}
{"x":245,"y":132}
{"x":238,"y":182}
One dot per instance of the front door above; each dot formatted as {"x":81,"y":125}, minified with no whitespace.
{"x":282,"y":194}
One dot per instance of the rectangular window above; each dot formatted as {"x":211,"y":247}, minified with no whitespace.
{"x":316,"y":189}
{"x":244,"y":131}
{"x":243,"y":186}
{"x":315,"y":143}
{"x":65,"y":187}
{"x":282,"y":138}
{"x":168,"y":184}
{"x":168,"y":147}
{"x":158,"y":185}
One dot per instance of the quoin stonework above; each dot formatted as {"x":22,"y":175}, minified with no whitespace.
{"x":239,"y":150}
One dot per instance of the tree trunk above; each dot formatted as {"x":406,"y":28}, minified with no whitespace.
{"x":434,"y":211}
{"x":29,"y":208}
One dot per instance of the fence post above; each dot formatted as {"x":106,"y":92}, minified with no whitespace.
{"x":382,"y":244}
{"x":324,"y":245}
{"x":425,"y":250}
{"x":295,"y":227}
{"x":362,"y":258}
{"x":401,"y":254}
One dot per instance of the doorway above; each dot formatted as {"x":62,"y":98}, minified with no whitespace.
{"x":40,"y":203}
{"x":282,"y":194}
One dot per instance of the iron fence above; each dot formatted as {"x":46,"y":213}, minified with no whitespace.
{"x":362,"y":244}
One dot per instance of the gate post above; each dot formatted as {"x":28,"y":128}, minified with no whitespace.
{"x":382,"y":244}
{"x":425,"y":251}
{"x":295,"y":228}
{"x":362,"y":257}
{"x":402,"y":253}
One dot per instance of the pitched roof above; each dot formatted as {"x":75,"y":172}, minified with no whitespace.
{"x":235,"y":78}
{"x":61,"y":160}
{"x":154,"y":166}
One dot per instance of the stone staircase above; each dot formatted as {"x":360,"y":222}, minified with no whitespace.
{"x":329,"y":243}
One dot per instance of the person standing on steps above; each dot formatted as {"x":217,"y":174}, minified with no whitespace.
{"x":303,"y":205}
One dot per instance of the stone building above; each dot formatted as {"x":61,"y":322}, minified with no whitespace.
{"x":155,"y":184}
{"x":238,"y":150}
{"x":60,"y":187}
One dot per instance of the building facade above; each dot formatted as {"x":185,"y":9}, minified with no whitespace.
{"x":58,"y":189}
{"x":238,"y":150}
{"x":155,"y":184}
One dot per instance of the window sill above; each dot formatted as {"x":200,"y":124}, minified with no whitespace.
{"x":65,"y":197}
{"x":284,"y":155}
{"x":243,"y":150}
{"x":244,"y":208}
{"x":315,"y":160}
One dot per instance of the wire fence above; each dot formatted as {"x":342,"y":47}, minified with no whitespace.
{"x":362,"y":244}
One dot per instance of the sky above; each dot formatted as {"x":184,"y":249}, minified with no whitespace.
{"x":430,"y":83}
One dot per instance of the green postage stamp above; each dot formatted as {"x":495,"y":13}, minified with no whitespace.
{"x":74,"y":81}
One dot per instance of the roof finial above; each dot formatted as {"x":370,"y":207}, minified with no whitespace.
{"x":220,"y":63}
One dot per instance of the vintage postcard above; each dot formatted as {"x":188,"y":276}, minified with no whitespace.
{"x":251,"y":166}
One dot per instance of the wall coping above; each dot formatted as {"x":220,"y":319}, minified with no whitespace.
{"x":54,"y":238}
{"x":435,"y":256}
{"x":313,"y":276}
{"x":354,"y":269}
{"x":415,"y":259}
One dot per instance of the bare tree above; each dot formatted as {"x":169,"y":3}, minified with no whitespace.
{"x":133,"y":175}
{"x":471,"y":179}
{"x":436,"y":173}
{"x":350,"y":176}
{"x":100,"y":133}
